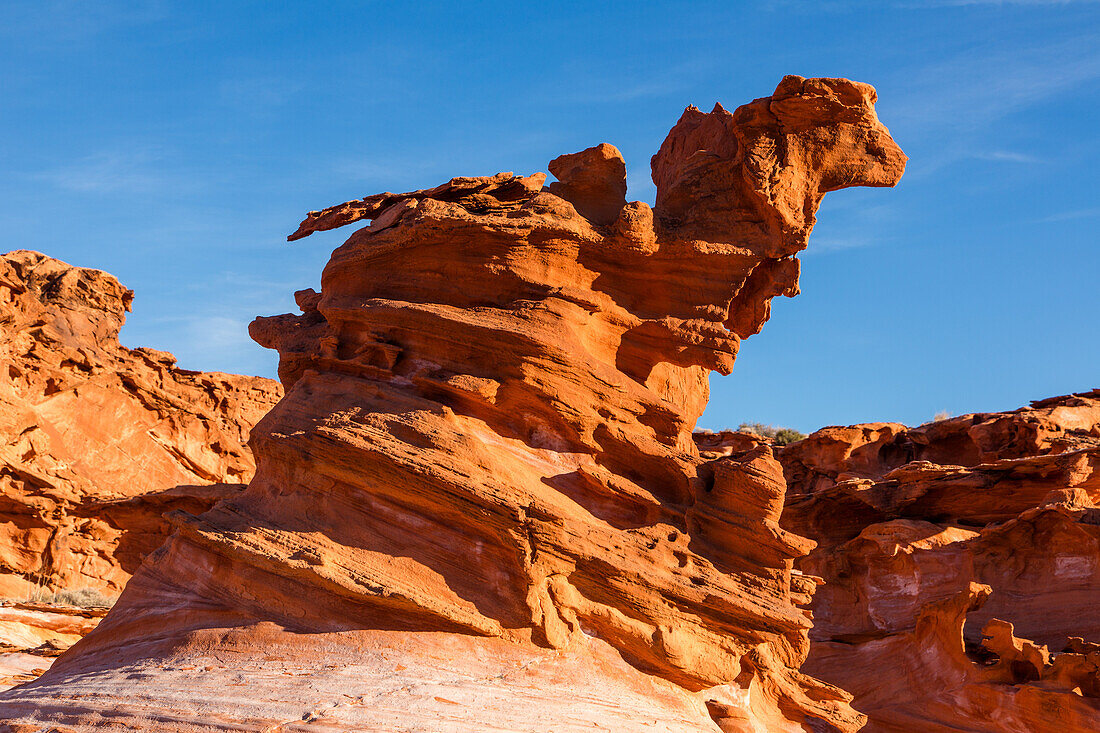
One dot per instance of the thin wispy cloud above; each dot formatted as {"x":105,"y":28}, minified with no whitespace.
{"x":575,"y":85}
{"x":848,"y":221}
{"x":1072,"y":215}
{"x":108,"y":172}
{"x":203,"y":341}
{"x":632,"y":92}
{"x":240,"y":296}
{"x":1006,"y":156}
{"x":954,"y":103}
{"x":828,"y":245}
{"x":218,"y":332}
{"x":964,"y":93}
{"x":431,"y":162}
{"x":851,"y":6}
{"x":373,"y":171}
{"x":259,"y":93}
{"x":922,"y":4}
{"x":975,"y":88}
{"x":74,"y":20}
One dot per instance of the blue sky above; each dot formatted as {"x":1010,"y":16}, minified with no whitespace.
{"x":176,"y":144}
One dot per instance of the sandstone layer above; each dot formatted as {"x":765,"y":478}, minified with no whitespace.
{"x":97,"y":440}
{"x":32,"y":634}
{"x":479,"y":505}
{"x":961,"y":562}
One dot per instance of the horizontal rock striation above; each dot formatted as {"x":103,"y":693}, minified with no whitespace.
{"x":32,"y":634}
{"x":97,"y":441}
{"x":939,"y":545}
{"x":480,"y":505}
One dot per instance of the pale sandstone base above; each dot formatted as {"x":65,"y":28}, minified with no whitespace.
{"x":362,"y":681}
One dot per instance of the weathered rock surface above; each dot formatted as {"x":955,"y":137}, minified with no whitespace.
{"x":32,"y":634}
{"x":27,"y":626}
{"x":1048,"y":427}
{"x":479,"y":505}
{"x":942,"y":544}
{"x":97,"y":441}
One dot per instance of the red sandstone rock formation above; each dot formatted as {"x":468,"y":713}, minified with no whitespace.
{"x":32,"y":634}
{"x":1051,"y":426}
{"x":930,"y":569}
{"x":97,"y":441}
{"x":479,"y":505}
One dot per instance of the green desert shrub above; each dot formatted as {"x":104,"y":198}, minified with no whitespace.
{"x":786,"y":436}
{"x":781,"y":436}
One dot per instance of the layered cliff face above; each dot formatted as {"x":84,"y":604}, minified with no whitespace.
{"x":97,"y":441}
{"x":33,"y":634}
{"x":962,"y":567}
{"x":480,"y":505}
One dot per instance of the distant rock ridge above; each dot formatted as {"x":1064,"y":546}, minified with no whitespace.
{"x":480,"y":505}
{"x":939,"y":545}
{"x":97,"y":441}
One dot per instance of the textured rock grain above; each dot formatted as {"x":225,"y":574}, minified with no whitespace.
{"x":97,"y":441}
{"x":480,"y":505}
{"x":939,"y":545}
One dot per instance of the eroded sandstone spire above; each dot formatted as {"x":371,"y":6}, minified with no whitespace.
{"x":480,"y":501}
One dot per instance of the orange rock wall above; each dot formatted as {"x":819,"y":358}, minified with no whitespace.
{"x":98,"y":440}
{"x":938,"y":545}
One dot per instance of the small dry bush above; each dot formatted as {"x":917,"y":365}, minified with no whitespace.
{"x":79,"y":598}
{"x":781,"y":436}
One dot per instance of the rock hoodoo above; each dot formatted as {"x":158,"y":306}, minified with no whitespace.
{"x":479,"y":505}
{"x":97,"y":441}
{"x":939,"y":545}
